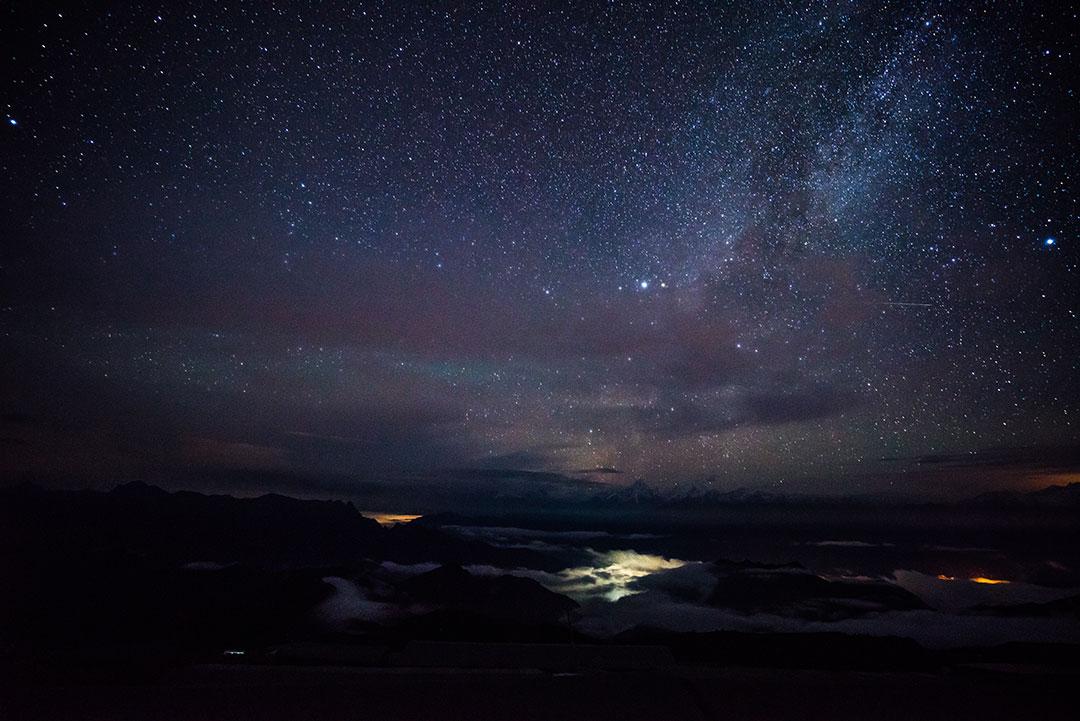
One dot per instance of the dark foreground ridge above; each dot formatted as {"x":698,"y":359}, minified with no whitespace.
{"x":549,"y":682}
{"x":140,"y":603}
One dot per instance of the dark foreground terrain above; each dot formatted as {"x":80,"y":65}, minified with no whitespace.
{"x":508,"y":682}
{"x":143,"y":604}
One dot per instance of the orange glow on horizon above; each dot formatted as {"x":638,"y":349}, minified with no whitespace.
{"x":975,"y":579}
{"x":389,"y":519}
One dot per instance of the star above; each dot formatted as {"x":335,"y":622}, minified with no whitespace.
{"x":766,"y":210}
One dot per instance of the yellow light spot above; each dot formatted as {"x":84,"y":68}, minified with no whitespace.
{"x":975,"y":579}
{"x":388,"y":519}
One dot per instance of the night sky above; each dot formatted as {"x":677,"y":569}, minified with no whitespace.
{"x":823,"y":248}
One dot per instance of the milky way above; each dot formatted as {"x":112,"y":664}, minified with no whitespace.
{"x":818,"y":247}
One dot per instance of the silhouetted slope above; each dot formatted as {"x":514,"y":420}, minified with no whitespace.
{"x":147,"y":522}
{"x":1065,"y":496}
{"x":787,"y":650}
{"x":417,"y":543}
{"x":143,"y":521}
{"x":142,"y":565}
{"x":505,"y":597}
{"x":792,"y":590}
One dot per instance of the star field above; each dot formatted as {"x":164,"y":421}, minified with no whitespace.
{"x":762,"y":244}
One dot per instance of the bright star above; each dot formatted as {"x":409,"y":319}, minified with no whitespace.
{"x":644,"y":285}
{"x":1050,"y":241}
{"x":12,"y":121}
